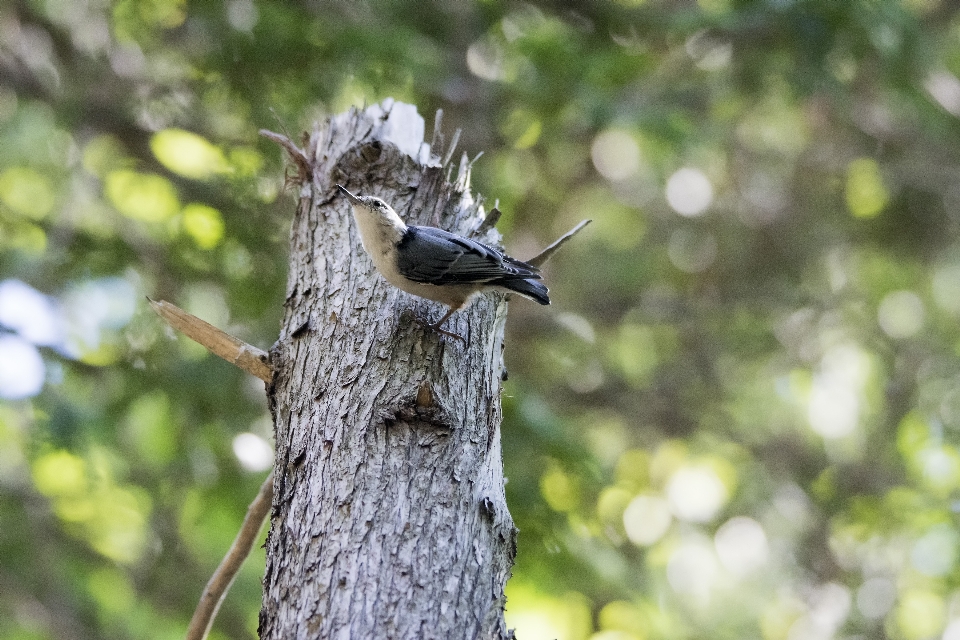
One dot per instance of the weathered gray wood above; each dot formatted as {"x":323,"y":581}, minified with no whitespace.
{"x":389,"y":518}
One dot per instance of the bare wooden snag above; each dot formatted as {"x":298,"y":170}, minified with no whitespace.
{"x":389,"y":518}
{"x":218,"y":342}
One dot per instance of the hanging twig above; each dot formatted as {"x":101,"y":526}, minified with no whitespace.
{"x":216,"y":589}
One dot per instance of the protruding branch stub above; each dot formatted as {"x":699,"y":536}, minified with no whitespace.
{"x":218,"y":342}
{"x":545,"y":255}
{"x":489,"y":222}
{"x":296,"y":154}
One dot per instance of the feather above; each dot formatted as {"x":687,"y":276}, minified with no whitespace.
{"x":434,"y":256}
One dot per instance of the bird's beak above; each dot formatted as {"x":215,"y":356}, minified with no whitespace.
{"x":353,"y":199}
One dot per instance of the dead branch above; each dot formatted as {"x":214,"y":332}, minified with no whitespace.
{"x":544,"y":255}
{"x":233,"y":350}
{"x":216,"y":589}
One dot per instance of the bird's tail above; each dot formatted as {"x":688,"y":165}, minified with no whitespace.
{"x":532,"y":289}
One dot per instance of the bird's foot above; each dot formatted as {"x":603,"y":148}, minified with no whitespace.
{"x":435,"y":326}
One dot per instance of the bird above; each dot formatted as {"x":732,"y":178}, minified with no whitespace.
{"x":438,"y":265}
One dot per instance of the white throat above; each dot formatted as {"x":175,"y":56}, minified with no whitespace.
{"x":379,"y":233}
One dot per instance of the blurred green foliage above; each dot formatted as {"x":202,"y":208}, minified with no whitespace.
{"x":741,"y":416}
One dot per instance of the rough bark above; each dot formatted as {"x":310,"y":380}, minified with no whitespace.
{"x":389,"y":518}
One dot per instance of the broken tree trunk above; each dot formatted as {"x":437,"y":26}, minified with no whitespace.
{"x":389,"y":518}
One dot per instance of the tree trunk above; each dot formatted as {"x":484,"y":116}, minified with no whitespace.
{"x":389,"y":518}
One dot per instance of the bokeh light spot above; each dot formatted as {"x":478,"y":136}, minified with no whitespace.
{"x":940,"y":467}
{"x":485,"y":59}
{"x":60,"y":473}
{"x":611,"y":504}
{"x":242,"y":15}
{"x":621,"y":620}
{"x":93,"y":308}
{"x":146,"y":197}
{"x":151,"y":429}
{"x":901,"y":314}
{"x":646,"y":519}
{"x":207,"y":300}
{"x":544,"y":617}
{"x":523,"y":128}
{"x":689,"y":192}
{"x":30,"y":313}
{"x":829,"y":605}
{"x":615,"y":154}
{"x":559,"y":489}
{"x":204,"y":224}
{"x":920,"y":614}
{"x":696,"y":493}
{"x":945,"y":286}
{"x":21,"y":368}
{"x":944,"y":87}
{"x":618,"y":634}
{"x":692,"y":569}
{"x":27,"y":192}
{"x":741,"y":545}
{"x":188,"y":154}
{"x":866,"y":194}
{"x":635,"y":350}
{"x":118,"y":527}
{"x":952,"y":632}
{"x":253,"y":452}
{"x":935,"y":553}
{"x":875,"y":597}
{"x":103,"y":154}
{"x":836,"y":395}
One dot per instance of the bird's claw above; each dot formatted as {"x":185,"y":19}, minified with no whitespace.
{"x":435,"y":326}
{"x":449,"y":333}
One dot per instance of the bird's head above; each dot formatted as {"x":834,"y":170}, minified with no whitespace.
{"x":372,"y":206}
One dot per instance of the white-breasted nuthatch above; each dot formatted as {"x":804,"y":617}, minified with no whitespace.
{"x":436,"y":264}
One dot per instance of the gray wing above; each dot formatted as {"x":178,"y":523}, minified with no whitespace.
{"x":435,"y":256}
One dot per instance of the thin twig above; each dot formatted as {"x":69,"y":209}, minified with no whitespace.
{"x":233,"y":350}
{"x":283,"y":128}
{"x":216,"y":589}
{"x":296,"y":153}
{"x":544,"y":255}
